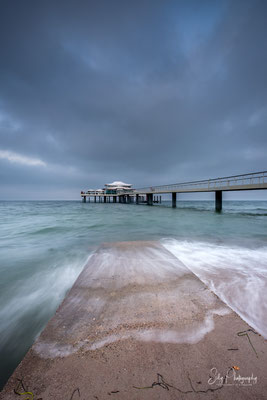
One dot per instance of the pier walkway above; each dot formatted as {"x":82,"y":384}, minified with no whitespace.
{"x":147,"y":195}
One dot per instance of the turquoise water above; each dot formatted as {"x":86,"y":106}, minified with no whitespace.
{"x":45,"y":244}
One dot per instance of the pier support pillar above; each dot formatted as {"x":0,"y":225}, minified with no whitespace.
{"x":105,"y":199}
{"x":173,"y":200}
{"x":84,"y":199}
{"x":114,"y":199}
{"x":218,"y":201}
{"x":95,"y":199}
{"x":149,"y":199}
{"x":128,"y":199}
{"x":160,"y":199}
{"x":137,"y":199}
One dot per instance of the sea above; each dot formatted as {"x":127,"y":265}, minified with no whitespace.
{"x":44,"y":246}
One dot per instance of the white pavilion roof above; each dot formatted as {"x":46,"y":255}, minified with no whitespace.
{"x":118,"y":184}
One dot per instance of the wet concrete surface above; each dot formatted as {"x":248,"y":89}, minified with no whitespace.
{"x":137,"y":324}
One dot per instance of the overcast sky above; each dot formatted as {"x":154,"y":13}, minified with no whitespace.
{"x":148,"y":92}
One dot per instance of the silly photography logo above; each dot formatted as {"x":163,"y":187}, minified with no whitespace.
{"x":232,"y":378}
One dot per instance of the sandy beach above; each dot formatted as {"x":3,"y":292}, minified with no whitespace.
{"x":138,"y":324}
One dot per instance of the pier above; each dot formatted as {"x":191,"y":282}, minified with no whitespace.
{"x":152,"y":194}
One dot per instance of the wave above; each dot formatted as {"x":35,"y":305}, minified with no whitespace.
{"x":50,"y":229}
{"x":250,"y":214}
{"x":34,"y":299}
{"x":237,"y":275}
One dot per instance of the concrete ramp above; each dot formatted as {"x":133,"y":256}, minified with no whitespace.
{"x":138,"y":324}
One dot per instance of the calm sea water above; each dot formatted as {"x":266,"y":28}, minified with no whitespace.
{"x":44,"y":246}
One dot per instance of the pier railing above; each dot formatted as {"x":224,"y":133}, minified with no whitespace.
{"x":225,"y":183}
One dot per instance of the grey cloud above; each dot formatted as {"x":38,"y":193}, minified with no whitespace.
{"x":147,"y":92}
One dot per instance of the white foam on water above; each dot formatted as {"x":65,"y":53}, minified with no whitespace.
{"x":42,"y":292}
{"x":118,"y":267}
{"x":54,"y":349}
{"x":191,"y":335}
{"x":237,"y":275}
{"x":108,"y":340}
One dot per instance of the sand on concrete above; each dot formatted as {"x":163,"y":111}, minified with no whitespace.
{"x":137,"y":324}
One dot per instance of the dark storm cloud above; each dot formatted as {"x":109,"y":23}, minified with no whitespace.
{"x":143,"y":91}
